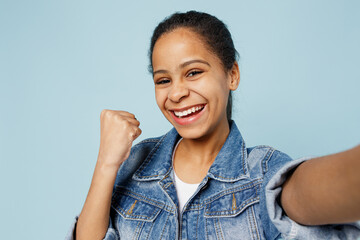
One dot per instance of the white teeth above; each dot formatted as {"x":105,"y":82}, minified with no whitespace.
{"x":188,"y":111}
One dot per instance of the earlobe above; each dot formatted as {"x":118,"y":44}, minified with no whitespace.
{"x":234,"y":77}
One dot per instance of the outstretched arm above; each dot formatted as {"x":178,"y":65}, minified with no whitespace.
{"x":324,"y":190}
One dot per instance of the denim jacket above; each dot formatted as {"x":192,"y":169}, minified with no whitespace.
{"x":238,"y":198}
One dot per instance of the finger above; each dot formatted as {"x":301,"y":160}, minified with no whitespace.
{"x":126,"y":114}
{"x":135,"y":133}
{"x":112,"y":113}
{"x":133,"y":121}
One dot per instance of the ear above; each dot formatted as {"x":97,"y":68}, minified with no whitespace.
{"x":234,"y":75}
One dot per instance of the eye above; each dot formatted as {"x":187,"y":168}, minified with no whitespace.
{"x":162,"y":81}
{"x":194,"y":72}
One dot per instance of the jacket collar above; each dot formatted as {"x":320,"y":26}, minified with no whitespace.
{"x":230,"y":164}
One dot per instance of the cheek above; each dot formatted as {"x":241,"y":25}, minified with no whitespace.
{"x":213,"y":89}
{"x":160,"y":97}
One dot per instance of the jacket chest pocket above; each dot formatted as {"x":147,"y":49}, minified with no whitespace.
{"x":136,"y":217}
{"x":233,"y":214}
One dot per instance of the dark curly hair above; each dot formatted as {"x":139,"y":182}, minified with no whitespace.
{"x":214,"y":33}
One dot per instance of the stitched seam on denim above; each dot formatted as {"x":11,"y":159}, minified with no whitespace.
{"x":124,"y":214}
{"x":199,"y":206}
{"x":140,"y":229}
{"x":196,"y":206}
{"x":255,"y":222}
{"x":163,"y":231}
{"x":144,"y":199}
{"x":146,"y":162}
{"x":173,"y":210}
{"x":220,"y":229}
{"x":224,"y":177}
{"x":233,"y":190}
{"x":243,"y":156}
{"x":152,"y":226}
{"x":197,"y":225}
{"x":151,"y":140}
{"x":168,"y":184}
{"x":215,"y":227}
{"x":157,"y":175}
{"x":251,"y":225}
{"x":262,"y":146}
{"x":152,"y":176}
{"x":137,"y":231}
{"x":266,"y":159}
{"x":240,"y":208}
{"x":206,"y":229}
{"x":142,"y":217}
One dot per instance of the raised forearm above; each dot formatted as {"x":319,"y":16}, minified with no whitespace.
{"x":94,"y":218}
{"x":325,"y":190}
{"x":118,"y":130}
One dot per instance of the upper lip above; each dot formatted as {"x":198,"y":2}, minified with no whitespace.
{"x":186,"y":108}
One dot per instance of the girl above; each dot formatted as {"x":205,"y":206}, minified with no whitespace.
{"x":200,"y":181}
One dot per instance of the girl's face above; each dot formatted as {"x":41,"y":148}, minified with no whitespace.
{"x":191,"y":86}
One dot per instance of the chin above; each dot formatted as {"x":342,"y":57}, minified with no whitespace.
{"x":190,"y":132}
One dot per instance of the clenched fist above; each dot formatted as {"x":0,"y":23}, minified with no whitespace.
{"x":118,"y":130}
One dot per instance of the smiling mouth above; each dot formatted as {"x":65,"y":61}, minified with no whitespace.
{"x":189,"y":112}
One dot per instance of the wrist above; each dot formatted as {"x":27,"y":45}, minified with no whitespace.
{"x":106,"y":168}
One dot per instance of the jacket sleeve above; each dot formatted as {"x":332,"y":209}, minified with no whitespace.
{"x":277,"y":169}
{"x":111,"y":234}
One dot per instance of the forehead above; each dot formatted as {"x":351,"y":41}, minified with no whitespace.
{"x":179,"y":44}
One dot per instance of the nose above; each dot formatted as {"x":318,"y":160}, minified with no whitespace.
{"x":178,"y":91}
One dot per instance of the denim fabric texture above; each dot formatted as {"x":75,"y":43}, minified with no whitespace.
{"x":236,"y":200}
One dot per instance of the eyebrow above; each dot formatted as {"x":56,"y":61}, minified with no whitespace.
{"x":184,"y":65}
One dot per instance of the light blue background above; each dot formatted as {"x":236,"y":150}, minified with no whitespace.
{"x":62,"y":62}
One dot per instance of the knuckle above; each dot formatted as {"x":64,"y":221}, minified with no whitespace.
{"x":130,"y":115}
{"x":125,"y":124}
{"x":122,"y":120}
{"x":103,"y":112}
{"x":106,"y":113}
{"x":131,"y":135}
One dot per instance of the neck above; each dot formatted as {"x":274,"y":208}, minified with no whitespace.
{"x":204,"y":150}
{"x":194,"y":157}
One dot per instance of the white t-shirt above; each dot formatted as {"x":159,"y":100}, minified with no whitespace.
{"x":184,"y":190}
